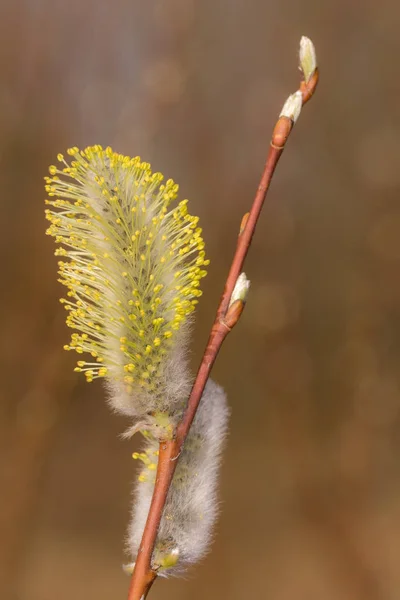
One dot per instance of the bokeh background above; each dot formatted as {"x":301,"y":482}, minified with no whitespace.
{"x":310,"y":487}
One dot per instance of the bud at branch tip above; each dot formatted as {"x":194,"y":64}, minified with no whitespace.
{"x":307,"y":58}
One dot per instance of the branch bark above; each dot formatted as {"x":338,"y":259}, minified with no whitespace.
{"x":226,"y":318}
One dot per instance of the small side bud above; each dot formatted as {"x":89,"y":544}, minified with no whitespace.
{"x":244,"y":223}
{"x":292,"y":107}
{"x":241,"y":289}
{"x":128,"y":568}
{"x":308,"y":58}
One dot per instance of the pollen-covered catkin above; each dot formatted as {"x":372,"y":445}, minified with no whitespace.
{"x":186,"y":527}
{"x":132,"y":264}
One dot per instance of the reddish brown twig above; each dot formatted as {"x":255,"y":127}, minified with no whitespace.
{"x":227,"y":317}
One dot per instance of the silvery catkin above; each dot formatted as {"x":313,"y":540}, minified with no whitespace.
{"x":191,"y":508}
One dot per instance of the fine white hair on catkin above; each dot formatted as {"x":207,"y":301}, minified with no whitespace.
{"x":191,"y":509}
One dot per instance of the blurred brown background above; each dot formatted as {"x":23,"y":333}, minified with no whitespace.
{"x":311,"y":476}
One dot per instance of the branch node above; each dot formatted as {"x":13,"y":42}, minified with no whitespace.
{"x":308,"y":89}
{"x":233,"y":314}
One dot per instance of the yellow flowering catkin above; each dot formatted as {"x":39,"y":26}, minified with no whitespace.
{"x":132,"y":263}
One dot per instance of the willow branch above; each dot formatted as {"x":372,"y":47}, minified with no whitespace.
{"x":227,"y":316}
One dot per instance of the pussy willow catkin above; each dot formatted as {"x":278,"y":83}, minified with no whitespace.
{"x":132,"y":262}
{"x":191,"y":508}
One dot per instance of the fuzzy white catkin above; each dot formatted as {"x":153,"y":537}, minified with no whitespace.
{"x":191,"y":509}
